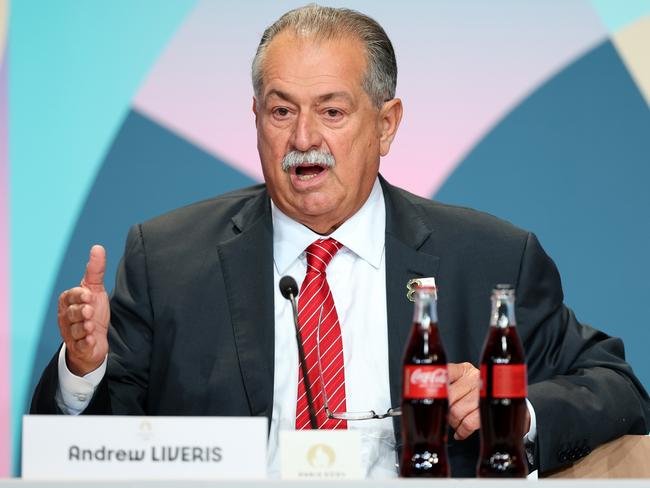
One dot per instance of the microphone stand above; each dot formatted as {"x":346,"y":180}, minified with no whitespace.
{"x":303,"y":366}
{"x":288,"y":288}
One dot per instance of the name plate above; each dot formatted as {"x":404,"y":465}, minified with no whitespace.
{"x":320,"y":454}
{"x":136,"y":448}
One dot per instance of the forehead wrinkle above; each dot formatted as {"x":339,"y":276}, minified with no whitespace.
{"x":326,"y":97}
{"x":335,"y":95}
{"x":306,"y":80}
{"x":275,"y":69}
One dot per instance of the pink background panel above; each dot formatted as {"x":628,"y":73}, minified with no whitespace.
{"x":462,"y":68}
{"x":200,"y":87}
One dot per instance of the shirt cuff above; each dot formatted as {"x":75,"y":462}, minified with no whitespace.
{"x":75,"y":392}
{"x":529,"y":438}
{"x":532,"y":432}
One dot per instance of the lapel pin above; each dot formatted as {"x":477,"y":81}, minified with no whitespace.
{"x":413,"y":283}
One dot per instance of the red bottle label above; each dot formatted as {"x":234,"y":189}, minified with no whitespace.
{"x":422,"y":382}
{"x":508,"y":381}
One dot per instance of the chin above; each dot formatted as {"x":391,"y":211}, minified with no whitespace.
{"x":316,"y":205}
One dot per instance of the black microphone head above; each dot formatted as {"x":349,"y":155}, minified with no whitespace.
{"x":288,"y":287}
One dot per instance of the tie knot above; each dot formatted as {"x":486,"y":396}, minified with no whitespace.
{"x":320,"y":253}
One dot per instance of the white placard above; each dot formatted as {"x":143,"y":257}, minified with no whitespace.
{"x":320,"y":454}
{"x":124,"y":447}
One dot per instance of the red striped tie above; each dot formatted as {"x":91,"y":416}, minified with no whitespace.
{"x":315,"y":295}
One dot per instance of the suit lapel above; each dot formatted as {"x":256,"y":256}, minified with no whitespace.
{"x":247,"y":263}
{"x":406,"y":258}
{"x":402,"y":264}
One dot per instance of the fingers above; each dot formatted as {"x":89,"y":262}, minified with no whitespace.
{"x":95,"y":269}
{"x":79,"y":330}
{"x":75,"y":331}
{"x":470,"y":424}
{"x":456,"y":371}
{"x":464,"y":379}
{"x":75,"y":313}
{"x":78,"y":313}
{"x":74,"y":306}
{"x":74,"y":296}
{"x":464,"y":388}
{"x":464,"y":417}
{"x":84,"y":352}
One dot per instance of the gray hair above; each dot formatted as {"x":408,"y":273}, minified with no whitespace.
{"x":326,"y":23}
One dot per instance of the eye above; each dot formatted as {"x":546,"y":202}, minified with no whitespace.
{"x":280,"y":112}
{"x":333,"y":115}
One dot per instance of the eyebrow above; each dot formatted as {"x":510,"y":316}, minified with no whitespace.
{"x":330,"y":96}
{"x":322,"y":98}
{"x":279,"y":94}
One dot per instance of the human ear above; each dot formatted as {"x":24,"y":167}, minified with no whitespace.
{"x":390,"y":116}
{"x":255,"y":109}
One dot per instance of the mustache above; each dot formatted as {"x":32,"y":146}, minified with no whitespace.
{"x":313,"y":156}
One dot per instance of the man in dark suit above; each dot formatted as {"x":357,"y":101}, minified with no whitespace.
{"x":195,"y":327}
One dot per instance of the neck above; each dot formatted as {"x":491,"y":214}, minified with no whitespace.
{"x":324,"y":230}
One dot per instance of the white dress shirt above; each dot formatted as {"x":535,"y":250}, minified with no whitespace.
{"x":357,"y":279}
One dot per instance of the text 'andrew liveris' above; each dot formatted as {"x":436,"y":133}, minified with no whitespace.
{"x":164,"y":454}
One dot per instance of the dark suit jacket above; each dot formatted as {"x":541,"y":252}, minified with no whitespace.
{"x":192,"y":320}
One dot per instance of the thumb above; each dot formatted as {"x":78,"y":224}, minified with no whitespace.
{"x":95,"y":269}
{"x":455,"y":371}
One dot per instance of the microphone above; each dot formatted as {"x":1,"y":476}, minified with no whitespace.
{"x":288,"y":287}
{"x":289,"y":290}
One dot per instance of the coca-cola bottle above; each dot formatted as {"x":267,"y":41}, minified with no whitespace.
{"x":424,"y":393}
{"x":503,"y":393}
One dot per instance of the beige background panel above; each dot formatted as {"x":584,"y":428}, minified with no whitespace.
{"x":633,"y":45}
{"x":4,"y":22}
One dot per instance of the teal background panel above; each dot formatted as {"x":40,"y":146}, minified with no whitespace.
{"x":75,"y":67}
{"x":617,"y":14}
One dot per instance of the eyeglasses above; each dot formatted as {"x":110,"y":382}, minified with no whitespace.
{"x":369,"y":415}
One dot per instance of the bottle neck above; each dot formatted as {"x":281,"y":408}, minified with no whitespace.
{"x":503,"y":309}
{"x":425,"y":311}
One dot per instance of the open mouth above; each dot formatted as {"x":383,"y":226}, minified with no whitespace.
{"x":306,"y":172}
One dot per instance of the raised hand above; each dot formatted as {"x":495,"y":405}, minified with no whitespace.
{"x":83,"y":316}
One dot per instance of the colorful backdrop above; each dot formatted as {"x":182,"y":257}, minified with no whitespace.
{"x":536,"y":111}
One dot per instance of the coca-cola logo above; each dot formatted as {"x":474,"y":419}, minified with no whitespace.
{"x":429,"y":378}
{"x":428,"y":381}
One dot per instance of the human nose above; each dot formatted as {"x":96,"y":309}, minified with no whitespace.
{"x":306,"y":133}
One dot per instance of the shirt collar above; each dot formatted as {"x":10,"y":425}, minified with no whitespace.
{"x":363,"y":233}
